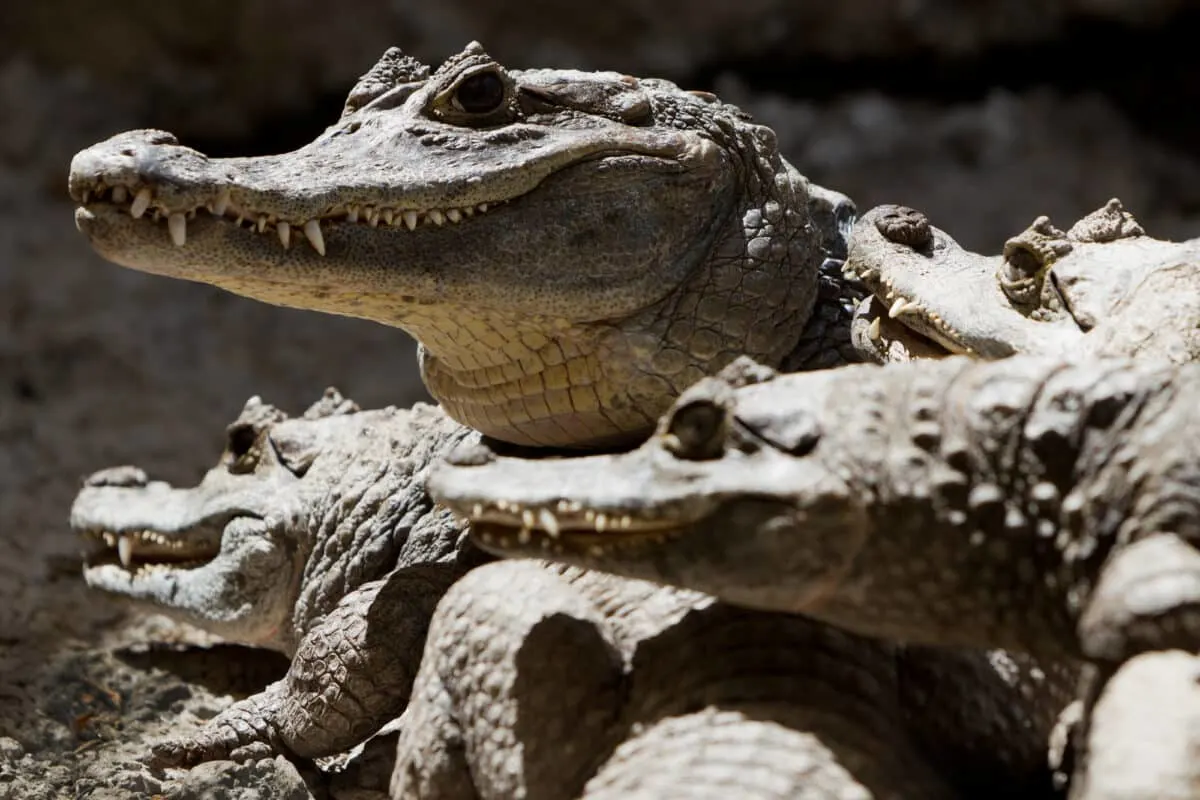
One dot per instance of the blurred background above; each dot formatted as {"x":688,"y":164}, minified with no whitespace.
{"x":982,"y":113}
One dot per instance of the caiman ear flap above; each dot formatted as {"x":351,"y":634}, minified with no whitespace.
{"x":393,"y":69}
{"x":331,"y":404}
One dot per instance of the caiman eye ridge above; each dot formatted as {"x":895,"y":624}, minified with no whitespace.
{"x":139,"y":201}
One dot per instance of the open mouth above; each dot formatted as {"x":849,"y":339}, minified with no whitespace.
{"x":140,"y":203}
{"x":142,"y":550}
{"x":909,"y":334}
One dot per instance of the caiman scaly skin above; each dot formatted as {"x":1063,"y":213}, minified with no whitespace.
{"x":1101,"y":288}
{"x":312,"y":536}
{"x":1030,"y":503}
{"x":315,"y":536}
{"x":571,"y":249}
{"x":587,"y":685}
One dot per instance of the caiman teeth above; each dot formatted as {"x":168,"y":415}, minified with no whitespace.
{"x":141,"y":200}
{"x":569,"y":526}
{"x":177,"y":225}
{"x":130,"y":543}
{"x":902,"y":306}
{"x":312,"y":232}
{"x":125,"y":549}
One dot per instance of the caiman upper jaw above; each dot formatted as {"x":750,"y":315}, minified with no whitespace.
{"x":545,"y":518}
{"x":115,"y":514}
{"x":136,"y":173}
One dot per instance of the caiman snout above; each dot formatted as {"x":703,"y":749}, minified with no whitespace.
{"x":124,"y":477}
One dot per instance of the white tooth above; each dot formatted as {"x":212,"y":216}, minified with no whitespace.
{"x":901,"y":306}
{"x":191,"y":214}
{"x":468,"y":211}
{"x":388,"y":215}
{"x":141,"y":202}
{"x":262,"y":223}
{"x":87,"y":195}
{"x":120,"y":194}
{"x":241,"y":218}
{"x":285,"y":234}
{"x":453,"y":214}
{"x":873,"y":331}
{"x":549,"y":522}
{"x":312,"y":231}
{"x":410,"y":220}
{"x":483,"y":207}
{"x":158,"y":214}
{"x":437,"y":217}
{"x":351,"y":213}
{"x":177,"y":225}
{"x":221,"y":205}
{"x":372,"y":216}
{"x":477,"y":510}
{"x":523,"y":536}
{"x":527,"y":518}
{"x":125,"y":549}
{"x":601,"y":522}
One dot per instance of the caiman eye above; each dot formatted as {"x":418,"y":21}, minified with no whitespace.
{"x":481,"y":93}
{"x":696,"y":430}
{"x":241,"y":449}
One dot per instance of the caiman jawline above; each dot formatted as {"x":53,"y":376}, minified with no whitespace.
{"x":138,"y":549}
{"x":908,"y":312}
{"x":138,"y":202}
{"x":508,"y":526}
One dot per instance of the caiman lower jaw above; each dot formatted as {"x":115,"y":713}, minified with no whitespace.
{"x":138,"y":201}
{"x":139,"y":550}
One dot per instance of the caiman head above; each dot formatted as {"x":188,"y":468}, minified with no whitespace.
{"x":294,"y":515}
{"x":571,"y":249}
{"x":1049,"y":287}
{"x":733,"y":495}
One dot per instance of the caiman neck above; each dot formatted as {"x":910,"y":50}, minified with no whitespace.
{"x":535,"y":381}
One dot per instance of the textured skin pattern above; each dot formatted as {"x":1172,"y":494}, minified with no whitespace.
{"x":587,"y":685}
{"x":952,"y":503}
{"x":1101,"y":288}
{"x":339,"y":491}
{"x":1143,"y":735}
{"x":571,"y":249}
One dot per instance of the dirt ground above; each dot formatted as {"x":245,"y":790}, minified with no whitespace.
{"x":102,"y":366}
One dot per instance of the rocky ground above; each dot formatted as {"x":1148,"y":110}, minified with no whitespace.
{"x":102,"y":366}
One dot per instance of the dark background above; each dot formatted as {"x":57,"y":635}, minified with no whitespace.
{"x":983,"y":114}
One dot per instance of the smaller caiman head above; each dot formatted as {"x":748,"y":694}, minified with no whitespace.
{"x":571,"y":249}
{"x":713,"y":501}
{"x":289,"y":520}
{"x":1044,"y":294}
